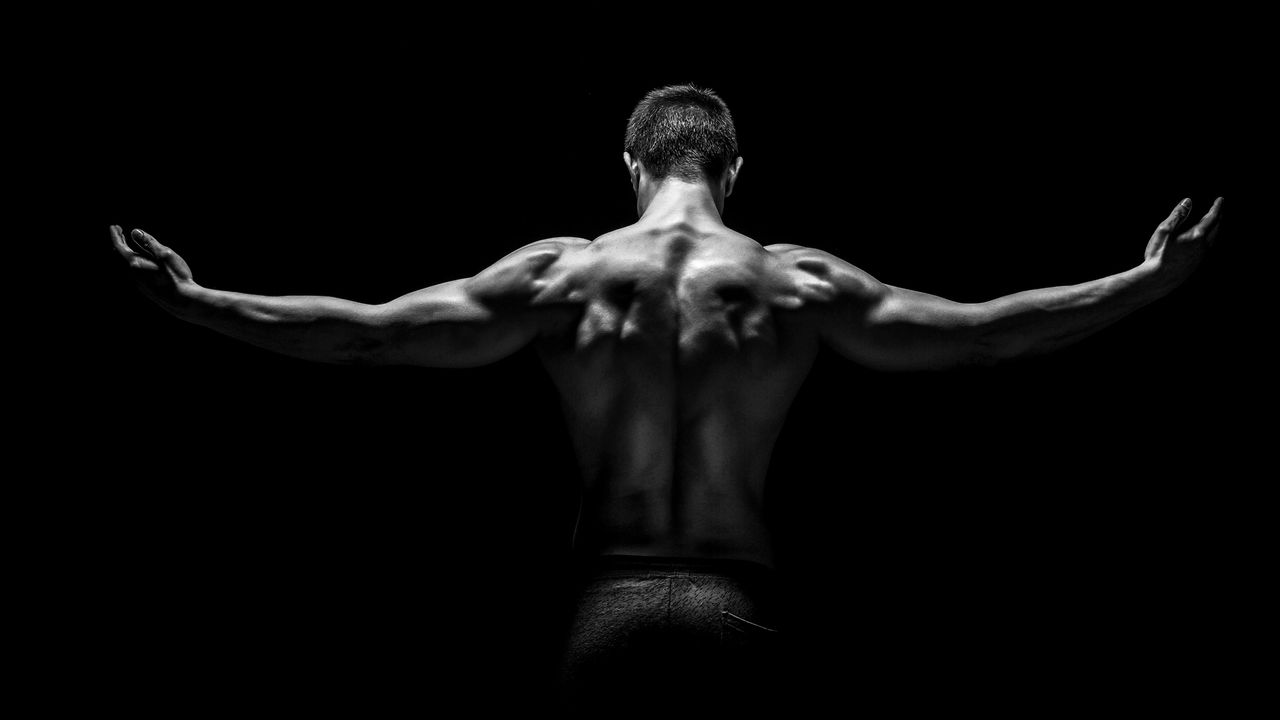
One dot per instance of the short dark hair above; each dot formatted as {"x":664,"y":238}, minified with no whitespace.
{"x":682,"y":131}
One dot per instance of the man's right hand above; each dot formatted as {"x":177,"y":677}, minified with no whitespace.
{"x":161,"y":274}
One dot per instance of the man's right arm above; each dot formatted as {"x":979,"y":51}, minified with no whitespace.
{"x":898,"y":329}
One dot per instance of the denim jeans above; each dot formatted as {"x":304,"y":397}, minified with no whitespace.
{"x":649,"y":632}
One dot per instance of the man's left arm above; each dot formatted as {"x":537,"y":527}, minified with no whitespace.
{"x":460,"y":323}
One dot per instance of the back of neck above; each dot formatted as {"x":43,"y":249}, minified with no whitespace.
{"x":673,"y":201}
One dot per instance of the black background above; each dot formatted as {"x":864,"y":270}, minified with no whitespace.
{"x":241,"y":527}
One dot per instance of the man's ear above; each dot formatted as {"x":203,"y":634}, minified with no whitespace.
{"x":633,"y":169}
{"x":735,"y":167}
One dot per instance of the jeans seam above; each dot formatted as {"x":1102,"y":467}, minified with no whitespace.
{"x":670,"y":583}
{"x":724,"y":613}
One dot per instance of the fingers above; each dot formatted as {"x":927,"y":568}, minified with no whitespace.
{"x":162,"y":256}
{"x":121,"y":246}
{"x":1179,"y":215}
{"x":117,"y":240}
{"x":1207,"y":229}
{"x":136,"y":261}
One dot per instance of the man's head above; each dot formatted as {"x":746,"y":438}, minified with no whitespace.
{"x":682,"y":132}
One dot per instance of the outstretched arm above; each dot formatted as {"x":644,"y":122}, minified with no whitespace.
{"x":460,"y":323}
{"x":896,"y":329}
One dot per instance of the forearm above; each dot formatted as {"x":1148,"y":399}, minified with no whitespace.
{"x":1043,"y":320}
{"x":323,"y":329}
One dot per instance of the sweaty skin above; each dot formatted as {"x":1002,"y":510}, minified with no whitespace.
{"x":677,"y":346}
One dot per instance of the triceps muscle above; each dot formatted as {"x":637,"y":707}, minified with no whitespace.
{"x":446,"y":326}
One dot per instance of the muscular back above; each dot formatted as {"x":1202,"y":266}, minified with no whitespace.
{"x":676,"y":351}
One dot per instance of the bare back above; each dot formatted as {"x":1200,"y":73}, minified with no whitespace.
{"x":677,"y":352}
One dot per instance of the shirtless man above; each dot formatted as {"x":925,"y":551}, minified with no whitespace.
{"x":677,"y":346}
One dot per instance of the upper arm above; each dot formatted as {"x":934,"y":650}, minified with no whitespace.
{"x":880,"y":325}
{"x":471,"y":321}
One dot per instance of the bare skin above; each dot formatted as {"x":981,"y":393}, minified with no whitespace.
{"x":677,"y":345}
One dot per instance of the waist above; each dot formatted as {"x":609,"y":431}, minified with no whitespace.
{"x":622,"y":565}
{"x":697,"y":548}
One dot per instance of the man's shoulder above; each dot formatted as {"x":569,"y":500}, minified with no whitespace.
{"x":783,"y":248}
{"x":519,"y":273}
{"x":555,"y":245}
{"x":835,"y":274}
{"x":792,"y":251}
{"x":807,"y":259}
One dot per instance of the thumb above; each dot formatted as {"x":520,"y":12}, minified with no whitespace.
{"x":165,"y":257}
{"x":147,"y":243}
{"x":1179,"y":215}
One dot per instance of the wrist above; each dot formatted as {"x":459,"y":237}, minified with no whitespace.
{"x":1155,"y":277}
{"x":189,"y":300}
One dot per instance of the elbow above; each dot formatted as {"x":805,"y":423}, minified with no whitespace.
{"x":365,"y":345}
{"x":367,"y":337}
{"x":362,"y":351}
{"x":989,"y":349}
{"x":993,"y":338}
{"x":982,"y":357}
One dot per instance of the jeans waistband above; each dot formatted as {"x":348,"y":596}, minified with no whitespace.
{"x":650,"y":566}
